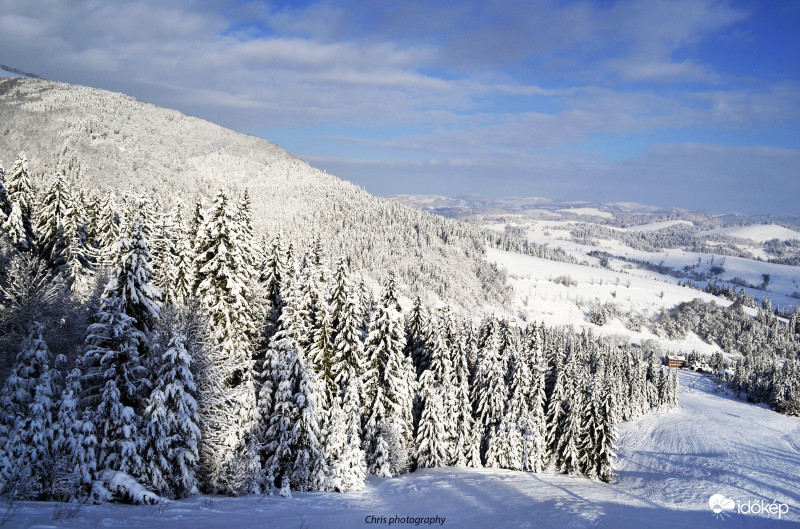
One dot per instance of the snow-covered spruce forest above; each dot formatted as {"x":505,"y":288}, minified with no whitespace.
{"x":111,"y":142}
{"x":156,"y":353}
{"x":768,"y":365}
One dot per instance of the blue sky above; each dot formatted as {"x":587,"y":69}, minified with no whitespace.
{"x":693,"y":104}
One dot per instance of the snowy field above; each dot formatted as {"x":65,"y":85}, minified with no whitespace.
{"x":669,"y":465}
{"x":539,"y":298}
{"x":784,"y":279}
{"x":758,"y":233}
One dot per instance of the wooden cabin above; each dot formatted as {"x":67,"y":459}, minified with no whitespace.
{"x":676,"y":361}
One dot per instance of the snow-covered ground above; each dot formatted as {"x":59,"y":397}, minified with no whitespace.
{"x":655,"y":226}
{"x":669,"y":465}
{"x":592,"y":212}
{"x":784,"y":279}
{"x":759,"y":232}
{"x":539,"y":298}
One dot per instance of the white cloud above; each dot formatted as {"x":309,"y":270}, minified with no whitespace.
{"x":465,"y":80}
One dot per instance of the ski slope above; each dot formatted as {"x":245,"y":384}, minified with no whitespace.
{"x":669,"y":465}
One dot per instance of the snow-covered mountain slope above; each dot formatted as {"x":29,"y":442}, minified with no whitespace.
{"x":669,"y":466}
{"x":112,"y":141}
{"x":759,"y":232}
{"x":565,"y":293}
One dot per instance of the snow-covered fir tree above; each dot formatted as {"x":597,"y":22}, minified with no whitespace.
{"x":29,"y":394}
{"x":386,"y":381}
{"x":432,"y":444}
{"x":19,"y":223}
{"x":171,"y":434}
{"x":416,"y":331}
{"x":347,"y":465}
{"x":221,"y":286}
{"x":76,"y":443}
{"x":295,"y":459}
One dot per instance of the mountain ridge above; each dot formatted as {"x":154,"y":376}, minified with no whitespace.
{"x":114,"y":142}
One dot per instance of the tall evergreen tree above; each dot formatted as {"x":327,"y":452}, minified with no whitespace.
{"x":114,"y":379}
{"x":171,"y":432}
{"x":53,"y":212}
{"x":75,"y":442}
{"x":604,"y":466}
{"x":29,"y":416}
{"x":346,"y":459}
{"x":432,"y":447}
{"x":416,"y":332}
{"x":19,"y":222}
{"x":221,"y":285}
{"x":387,"y":380}
{"x":131,"y":282}
{"x":489,"y":392}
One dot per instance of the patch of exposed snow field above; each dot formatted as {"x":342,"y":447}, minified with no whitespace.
{"x":759,"y":232}
{"x":669,"y":465}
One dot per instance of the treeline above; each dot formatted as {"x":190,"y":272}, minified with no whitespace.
{"x":769,"y":348}
{"x":677,"y":236}
{"x":732,"y":329}
{"x":774,"y":382}
{"x":161,"y":354}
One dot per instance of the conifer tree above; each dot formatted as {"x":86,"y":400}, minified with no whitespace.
{"x":387,"y":382}
{"x":53,"y":212}
{"x":274,"y":278}
{"x":107,"y":229}
{"x":432,"y":448}
{"x":489,"y":392}
{"x":131,"y":283}
{"x":182,"y":272}
{"x":171,"y":432}
{"x":308,"y":469}
{"x":591,"y":433}
{"x":75,"y":442}
{"x":114,"y":379}
{"x":463,"y":433}
{"x":29,"y":415}
{"x":321,"y":353}
{"x":567,"y":455}
{"x":282,"y":415}
{"x":555,"y":410}
{"x":349,"y":359}
{"x":534,"y":431}
{"x":224,"y":295}
{"x":604,"y":468}
{"x":347,"y":466}
{"x":19,"y":222}
{"x":415,"y":337}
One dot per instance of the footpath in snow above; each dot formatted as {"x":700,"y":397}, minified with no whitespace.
{"x":669,"y":465}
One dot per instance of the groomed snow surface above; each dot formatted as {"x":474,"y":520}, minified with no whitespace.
{"x":669,"y":465}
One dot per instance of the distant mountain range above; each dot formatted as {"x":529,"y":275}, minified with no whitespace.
{"x":474,"y":204}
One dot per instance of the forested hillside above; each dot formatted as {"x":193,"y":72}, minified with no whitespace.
{"x":156,"y":353}
{"x":111,"y":142}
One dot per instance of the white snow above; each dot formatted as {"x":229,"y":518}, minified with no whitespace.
{"x":758,"y":232}
{"x":669,"y":465}
{"x":655,"y":226}
{"x":594,"y":212}
{"x":539,"y":298}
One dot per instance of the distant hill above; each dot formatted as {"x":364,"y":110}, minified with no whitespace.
{"x":110,"y":141}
